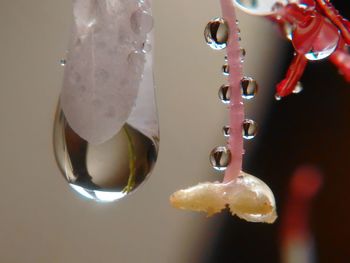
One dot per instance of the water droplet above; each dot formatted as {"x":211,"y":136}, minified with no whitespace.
{"x":226,"y":131}
{"x":278,"y":97}
{"x":249,"y":129}
{"x":220,"y":158}
{"x":225,"y":69}
{"x":258,"y":7}
{"x":141,"y":22}
{"x":108,"y":171}
{"x":146,"y":47}
{"x":242,"y":54}
{"x":317,"y":39}
{"x":298,"y":88}
{"x":249,"y":88}
{"x":63,"y":62}
{"x":224,"y":94}
{"x":216,"y":33}
{"x":288,"y":30}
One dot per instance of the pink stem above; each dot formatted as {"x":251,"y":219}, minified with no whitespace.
{"x":235,"y":142}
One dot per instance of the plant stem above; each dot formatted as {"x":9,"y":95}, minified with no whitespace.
{"x":132,"y":162}
{"x":235,"y":142}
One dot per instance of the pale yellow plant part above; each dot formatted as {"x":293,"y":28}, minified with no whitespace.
{"x":246,"y":196}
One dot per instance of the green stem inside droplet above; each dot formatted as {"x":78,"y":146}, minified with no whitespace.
{"x":132,"y":161}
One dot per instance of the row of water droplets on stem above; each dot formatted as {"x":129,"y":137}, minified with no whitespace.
{"x":216,"y":35}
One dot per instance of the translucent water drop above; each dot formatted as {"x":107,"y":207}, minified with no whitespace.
{"x":249,"y":88}
{"x":224,"y":94}
{"x":316,"y":39}
{"x":226,"y":131}
{"x":141,"y":22}
{"x":298,"y":88}
{"x":220,"y":158}
{"x":249,"y":129}
{"x":242,"y":54}
{"x":225,"y":69}
{"x":63,"y":62}
{"x":278,"y":97}
{"x":105,"y":172}
{"x":258,"y":7}
{"x":216,"y":33}
{"x":288,"y":30}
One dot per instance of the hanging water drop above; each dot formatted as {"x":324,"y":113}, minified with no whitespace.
{"x":216,"y":33}
{"x":249,"y":129}
{"x":242,"y":54}
{"x":220,"y":158}
{"x":224,"y":94}
{"x":249,"y":87}
{"x":141,"y":22}
{"x":105,"y":172}
{"x":298,"y":88}
{"x":225,"y":69}
{"x":63,"y":62}
{"x":226,"y":131}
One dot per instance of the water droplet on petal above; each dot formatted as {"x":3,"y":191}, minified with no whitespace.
{"x":226,"y":69}
{"x":317,"y":39}
{"x":105,"y":172}
{"x":216,"y":33}
{"x":141,"y":22}
{"x":224,"y":94}
{"x":278,"y":97}
{"x":249,"y":88}
{"x":249,"y":129}
{"x":298,"y":88}
{"x":220,"y":158}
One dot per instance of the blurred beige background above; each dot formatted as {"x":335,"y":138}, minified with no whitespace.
{"x":41,"y":219}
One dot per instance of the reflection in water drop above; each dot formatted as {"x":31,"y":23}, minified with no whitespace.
{"x":216,"y":33}
{"x":108,"y":171}
{"x":224,"y":94}
{"x":258,"y":7}
{"x":220,"y":158}
{"x":249,"y":129}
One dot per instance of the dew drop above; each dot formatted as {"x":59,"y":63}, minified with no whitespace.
{"x":108,"y":171}
{"x":242,"y":54}
{"x":258,"y":7}
{"x":278,"y":97}
{"x":63,"y":62}
{"x":220,"y":158}
{"x":249,"y":129}
{"x":226,"y":131}
{"x":249,"y":88}
{"x":225,"y":69}
{"x":141,"y":22}
{"x":216,"y":33}
{"x":224,"y":94}
{"x":298,"y":88}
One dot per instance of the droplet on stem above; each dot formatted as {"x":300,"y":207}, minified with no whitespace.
{"x":249,"y":129}
{"x":220,"y":158}
{"x":216,"y":33}
{"x":224,"y":94}
{"x":249,"y":87}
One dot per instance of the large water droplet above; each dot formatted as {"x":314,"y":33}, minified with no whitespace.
{"x":216,"y":33}
{"x":220,"y":158}
{"x":258,"y":7}
{"x":249,"y":88}
{"x":249,"y":129}
{"x":317,"y":39}
{"x":141,"y":22}
{"x":105,"y":172}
